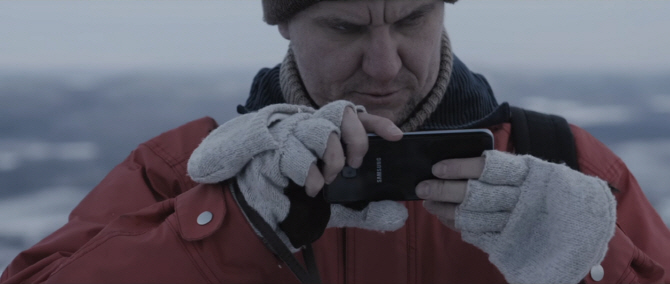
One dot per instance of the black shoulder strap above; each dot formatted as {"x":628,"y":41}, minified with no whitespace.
{"x":544,"y":136}
{"x":310,"y":274}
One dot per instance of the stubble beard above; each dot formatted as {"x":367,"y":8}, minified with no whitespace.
{"x":400,"y":115}
{"x":407,"y":110}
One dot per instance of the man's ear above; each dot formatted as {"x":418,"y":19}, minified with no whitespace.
{"x":283,"y":30}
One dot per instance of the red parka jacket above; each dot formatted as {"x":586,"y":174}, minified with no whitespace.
{"x":139,"y":225}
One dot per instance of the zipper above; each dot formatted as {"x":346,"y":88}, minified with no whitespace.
{"x":344,"y":255}
{"x":412,"y":260}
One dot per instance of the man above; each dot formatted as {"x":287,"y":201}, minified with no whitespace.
{"x":354,"y":67}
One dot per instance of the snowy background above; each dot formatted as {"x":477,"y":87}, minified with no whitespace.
{"x":82,"y":83}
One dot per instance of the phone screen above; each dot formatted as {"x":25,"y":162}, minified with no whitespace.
{"x":391,"y":170}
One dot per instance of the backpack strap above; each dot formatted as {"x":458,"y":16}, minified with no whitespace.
{"x":545,"y":136}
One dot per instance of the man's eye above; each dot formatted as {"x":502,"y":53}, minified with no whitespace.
{"x":410,"y":21}
{"x":346,"y":28}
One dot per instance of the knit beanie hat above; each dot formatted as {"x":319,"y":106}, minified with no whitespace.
{"x":279,"y":11}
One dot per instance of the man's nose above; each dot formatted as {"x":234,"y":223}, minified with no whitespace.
{"x":381,"y":59}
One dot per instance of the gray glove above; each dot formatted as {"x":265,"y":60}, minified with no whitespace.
{"x":267,"y":149}
{"x":539,"y":222}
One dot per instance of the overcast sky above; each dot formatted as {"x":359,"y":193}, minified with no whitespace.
{"x":528,"y":35}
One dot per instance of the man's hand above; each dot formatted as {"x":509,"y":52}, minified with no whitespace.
{"x":354,"y":129}
{"x":443,"y":195}
{"x":281,"y":157}
{"x":539,"y":222}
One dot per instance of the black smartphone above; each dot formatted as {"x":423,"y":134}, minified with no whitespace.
{"x":391,"y":170}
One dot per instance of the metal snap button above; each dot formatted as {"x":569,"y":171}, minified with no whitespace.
{"x":204,"y":218}
{"x":597,"y":272}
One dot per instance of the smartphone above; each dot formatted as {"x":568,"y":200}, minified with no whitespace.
{"x":391,"y":170}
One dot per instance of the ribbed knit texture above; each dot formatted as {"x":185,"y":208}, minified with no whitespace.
{"x":294,"y":91}
{"x":467,"y":103}
{"x":278,"y":11}
{"x":433,"y":99}
{"x":292,"y":88}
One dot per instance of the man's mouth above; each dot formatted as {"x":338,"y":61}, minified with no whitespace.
{"x":377,"y":98}
{"x":378,"y":93}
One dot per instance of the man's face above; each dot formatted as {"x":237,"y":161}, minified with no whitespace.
{"x":384,"y":55}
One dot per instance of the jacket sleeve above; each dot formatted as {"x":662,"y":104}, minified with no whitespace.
{"x":124,"y":220}
{"x":639,"y":252}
